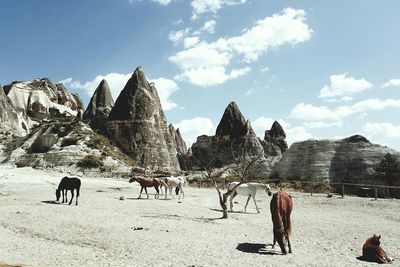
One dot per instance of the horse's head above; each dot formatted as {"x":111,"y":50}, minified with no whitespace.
{"x":268,"y":190}
{"x":58,"y":194}
{"x":133,"y":179}
{"x":374,"y":240}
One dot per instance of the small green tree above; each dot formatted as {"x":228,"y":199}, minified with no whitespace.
{"x":387,"y":170}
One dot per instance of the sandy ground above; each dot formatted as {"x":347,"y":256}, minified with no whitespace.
{"x":105,"y":231}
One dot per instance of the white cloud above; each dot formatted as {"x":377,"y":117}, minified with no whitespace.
{"x":297,"y":134}
{"x":165,"y":87}
{"x":321,"y":124}
{"x":208,"y":76}
{"x":391,"y":83}
{"x":177,"y":36}
{"x":309,"y":112}
{"x":116,"y":81}
{"x":265,"y":69}
{"x":161,"y":2}
{"x":209,"y":26}
{"x":192,"y":128}
{"x":190,"y":41}
{"x":211,"y":6}
{"x":341,"y":85}
{"x":384,"y":129}
{"x":287,"y":27}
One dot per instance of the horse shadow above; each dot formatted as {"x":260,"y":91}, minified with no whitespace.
{"x":257,"y":248}
{"x":51,"y":202}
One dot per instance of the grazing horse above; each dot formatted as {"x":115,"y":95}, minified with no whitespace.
{"x":373,"y":252}
{"x":68,"y":183}
{"x":148,"y":182}
{"x":177,"y":183}
{"x":281,"y":206}
{"x":249,"y":190}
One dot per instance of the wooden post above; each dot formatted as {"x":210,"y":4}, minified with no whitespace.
{"x":342,"y":190}
{"x":376,"y":192}
{"x":312,"y":188}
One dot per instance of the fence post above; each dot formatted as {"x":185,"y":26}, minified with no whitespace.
{"x":312,"y":188}
{"x":342,"y":190}
{"x":376,"y":192}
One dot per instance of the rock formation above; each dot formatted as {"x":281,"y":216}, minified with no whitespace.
{"x":274,"y":140}
{"x":179,"y":142}
{"x":138,"y":125}
{"x":9,"y":121}
{"x":348,"y":160}
{"x":100,"y":105}
{"x":234,"y":140}
{"x":40,"y":99}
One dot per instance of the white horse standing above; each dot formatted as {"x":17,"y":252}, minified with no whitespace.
{"x":249,"y":190}
{"x":175,"y":182}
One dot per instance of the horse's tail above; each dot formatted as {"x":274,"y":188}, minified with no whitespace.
{"x":287,"y":222}
{"x":78,"y":188}
{"x":163,"y":183}
{"x":277,"y":221}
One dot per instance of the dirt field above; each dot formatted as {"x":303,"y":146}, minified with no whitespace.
{"x":105,"y":231}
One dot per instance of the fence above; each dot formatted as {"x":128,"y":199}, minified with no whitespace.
{"x":312,"y":187}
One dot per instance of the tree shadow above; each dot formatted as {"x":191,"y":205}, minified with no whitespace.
{"x":257,"y":248}
{"x":51,"y":202}
{"x":238,"y":212}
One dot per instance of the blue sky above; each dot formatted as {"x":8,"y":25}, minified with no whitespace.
{"x":324,"y":69}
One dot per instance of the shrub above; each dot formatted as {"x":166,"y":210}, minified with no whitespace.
{"x":69,"y":141}
{"x":90,"y":161}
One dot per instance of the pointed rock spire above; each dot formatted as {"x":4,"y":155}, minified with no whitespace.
{"x":275,"y":137}
{"x":100,"y":104}
{"x":233,"y":125}
{"x":139,"y":127}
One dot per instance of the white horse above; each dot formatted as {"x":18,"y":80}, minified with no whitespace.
{"x":249,"y":190}
{"x":175,"y":182}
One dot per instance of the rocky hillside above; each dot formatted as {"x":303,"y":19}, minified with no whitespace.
{"x":349,"y":160}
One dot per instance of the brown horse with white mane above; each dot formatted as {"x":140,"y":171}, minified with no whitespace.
{"x":281,"y":206}
{"x":148,"y":182}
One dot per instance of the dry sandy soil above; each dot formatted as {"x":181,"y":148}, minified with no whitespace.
{"x":105,"y":231}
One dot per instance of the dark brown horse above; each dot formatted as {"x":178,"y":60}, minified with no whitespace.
{"x":373,"y":252}
{"x":281,"y":206}
{"x":148,"y":182}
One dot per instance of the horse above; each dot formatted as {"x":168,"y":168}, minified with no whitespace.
{"x":281,"y":206}
{"x":249,"y":190}
{"x":68,"y":183}
{"x":372,"y":251}
{"x":177,"y":183}
{"x":148,"y":182}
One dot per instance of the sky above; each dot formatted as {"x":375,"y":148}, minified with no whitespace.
{"x":323,"y":69}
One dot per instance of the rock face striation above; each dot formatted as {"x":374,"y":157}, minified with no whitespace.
{"x":179,"y":142}
{"x":100,"y":106}
{"x":348,"y":160}
{"x":138,"y":125}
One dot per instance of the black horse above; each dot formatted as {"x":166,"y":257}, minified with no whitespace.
{"x":68,"y":183}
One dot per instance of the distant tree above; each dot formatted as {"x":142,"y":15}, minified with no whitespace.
{"x":387,"y":170}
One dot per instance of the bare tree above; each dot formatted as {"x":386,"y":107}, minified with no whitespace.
{"x":240,"y":168}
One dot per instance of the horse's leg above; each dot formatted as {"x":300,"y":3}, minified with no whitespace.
{"x":77,"y":195}
{"x":170,"y":192}
{"x":140,"y":195}
{"x":247,"y":202}
{"x":183,"y":193}
{"x":145,"y":189}
{"x":231,"y":198}
{"x":255,"y":203}
{"x":288,"y":242}
{"x":166,"y":189}
{"x":62,"y":192}
{"x":72,"y":197}
{"x":66,"y":198}
{"x":158,"y":192}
